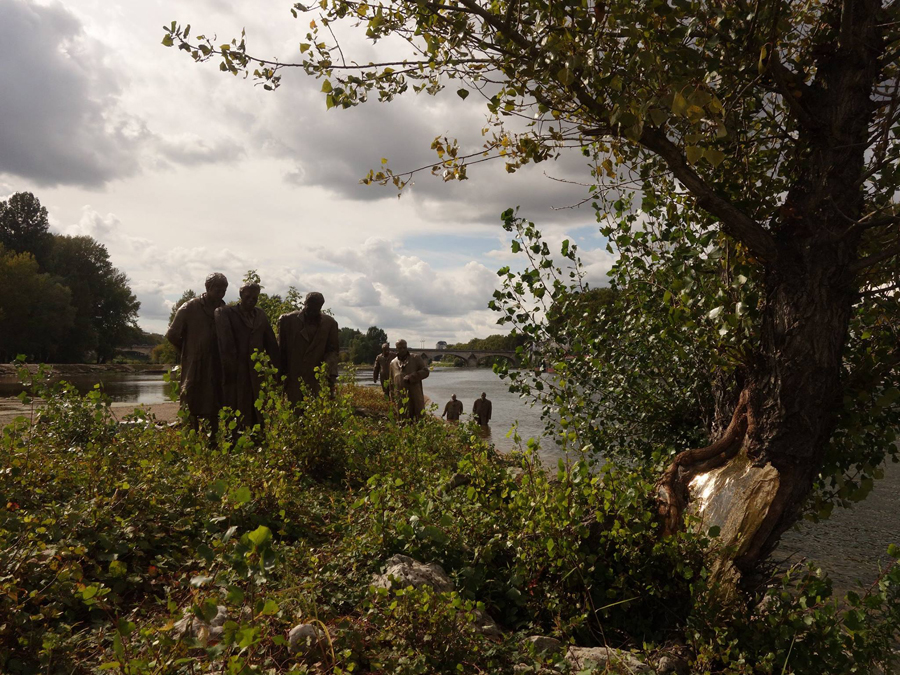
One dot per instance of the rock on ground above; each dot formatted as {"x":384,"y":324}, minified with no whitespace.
{"x":606,"y":660}
{"x":672,"y":664}
{"x":409,"y":572}
{"x":304,"y":638}
{"x":195,"y":627}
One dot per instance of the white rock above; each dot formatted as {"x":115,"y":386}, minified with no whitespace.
{"x":606,"y":660}
{"x":486,"y":624}
{"x":304,"y":638}
{"x":195,"y":627}
{"x":409,"y":572}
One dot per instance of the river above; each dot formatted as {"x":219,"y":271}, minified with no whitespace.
{"x":850,"y":545}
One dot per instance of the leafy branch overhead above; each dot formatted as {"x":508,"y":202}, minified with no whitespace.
{"x":717,"y":92}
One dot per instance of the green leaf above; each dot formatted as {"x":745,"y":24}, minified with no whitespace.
{"x":694,"y":153}
{"x":713,"y":156}
{"x":261,"y":535}
{"x":235,"y":595}
{"x":241,"y":495}
{"x":168,"y":41}
{"x":89,"y":592}
{"x":565,"y":76}
{"x":326,"y":87}
{"x":270,"y":608}
{"x":462,"y":93}
{"x":436,"y":534}
{"x":679,"y":104}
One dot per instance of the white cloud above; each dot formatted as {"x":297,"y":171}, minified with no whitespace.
{"x":202,"y":171}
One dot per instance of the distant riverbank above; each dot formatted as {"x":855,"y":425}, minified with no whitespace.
{"x":8,"y":370}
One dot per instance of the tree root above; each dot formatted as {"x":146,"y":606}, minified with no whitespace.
{"x":672,"y":487}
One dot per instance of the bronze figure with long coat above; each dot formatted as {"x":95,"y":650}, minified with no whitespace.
{"x":383,"y":369}
{"x":241,"y":330}
{"x":482,"y":409}
{"x":307,"y":339}
{"x":407,"y":373}
{"x":193,"y":334}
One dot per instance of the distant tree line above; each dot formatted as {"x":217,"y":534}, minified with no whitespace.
{"x":62,"y":300}
{"x":502,"y":343}
{"x":362,"y":348}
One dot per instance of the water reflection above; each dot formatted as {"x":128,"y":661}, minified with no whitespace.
{"x":135,"y":388}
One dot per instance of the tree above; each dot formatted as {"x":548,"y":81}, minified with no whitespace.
{"x":347,"y":335}
{"x":24,"y":226}
{"x":762,"y":134}
{"x":364,"y":348}
{"x":273,"y":305}
{"x":105,"y":308}
{"x":36,"y":313}
{"x":187,"y":295}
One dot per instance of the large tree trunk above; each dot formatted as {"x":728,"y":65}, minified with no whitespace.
{"x":754,"y":479}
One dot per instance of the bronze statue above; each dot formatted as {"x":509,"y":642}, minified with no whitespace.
{"x":453,"y":410}
{"x":383,"y":369}
{"x":193,"y":333}
{"x":407,"y":373}
{"x":308,"y":338}
{"x":482,"y":410}
{"x":241,"y":330}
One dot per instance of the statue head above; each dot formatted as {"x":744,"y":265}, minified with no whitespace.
{"x":402,"y":351}
{"x":483,"y":395}
{"x":312,"y":307}
{"x":385,"y":349}
{"x":216,"y":285}
{"x":453,"y":397}
{"x":249,"y":295}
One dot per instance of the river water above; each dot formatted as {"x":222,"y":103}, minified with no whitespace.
{"x":850,"y":546}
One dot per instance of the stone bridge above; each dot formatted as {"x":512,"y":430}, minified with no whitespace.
{"x":472,"y":357}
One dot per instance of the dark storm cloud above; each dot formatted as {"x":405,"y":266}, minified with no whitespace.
{"x":60,"y":123}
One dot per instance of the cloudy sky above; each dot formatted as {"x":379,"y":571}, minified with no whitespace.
{"x":181,"y":170}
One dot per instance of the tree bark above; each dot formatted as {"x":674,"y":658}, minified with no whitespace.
{"x":767,"y":457}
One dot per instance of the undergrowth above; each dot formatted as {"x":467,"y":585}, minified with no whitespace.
{"x":111,"y":533}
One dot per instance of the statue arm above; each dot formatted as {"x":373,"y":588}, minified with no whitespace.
{"x":175,"y":334}
{"x":377,"y":369}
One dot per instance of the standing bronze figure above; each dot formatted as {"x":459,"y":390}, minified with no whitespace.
{"x":453,"y":410}
{"x":383,"y":369}
{"x":193,"y":333}
{"x":241,"y":330}
{"x":307,"y":339}
{"x":482,"y":410}
{"x":407,"y":373}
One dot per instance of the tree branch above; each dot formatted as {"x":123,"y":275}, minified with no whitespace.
{"x":875,"y":258}
{"x":784,"y":79}
{"x":735,"y":222}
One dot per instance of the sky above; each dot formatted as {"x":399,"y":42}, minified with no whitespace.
{"x":181,"y":170}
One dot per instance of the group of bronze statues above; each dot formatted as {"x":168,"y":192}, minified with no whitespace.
{"x":481,"y":410}
{"x":217,"y":342}
{"x":404,"y":373}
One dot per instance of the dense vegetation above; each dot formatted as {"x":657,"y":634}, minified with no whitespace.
{"x":62,"y":301}
{"x":742,"y":159}
{"x":111,"y":532}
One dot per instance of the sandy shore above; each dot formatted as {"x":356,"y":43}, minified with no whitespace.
{"x":10,"y":408}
